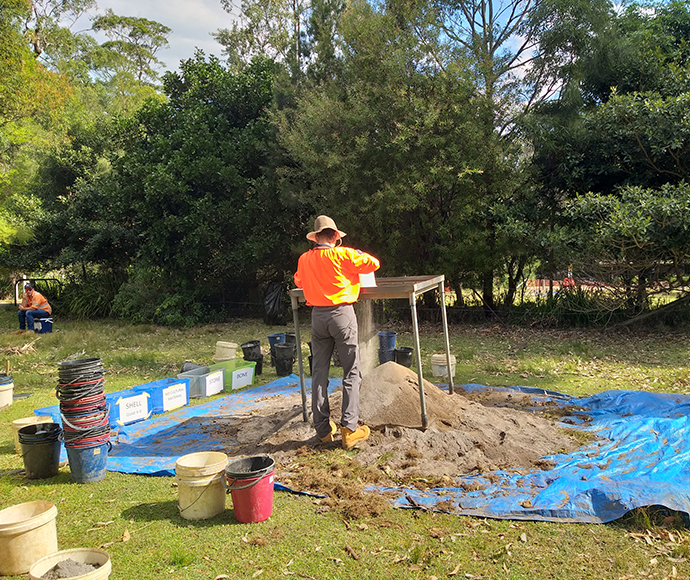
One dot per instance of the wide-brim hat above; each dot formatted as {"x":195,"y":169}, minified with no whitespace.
{"x":323,"y":222}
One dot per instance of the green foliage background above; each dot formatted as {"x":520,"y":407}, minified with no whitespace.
{"x":434,"y":140}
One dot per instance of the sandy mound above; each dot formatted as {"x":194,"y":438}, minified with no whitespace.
{"x":463,"y":436}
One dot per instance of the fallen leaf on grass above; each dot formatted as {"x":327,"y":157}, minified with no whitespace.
{"x":638,"y":536}
{"x":383,"y":524}
{"x":523,"y":537}
{"x":106,"y":545}
{"x":455,"y":570}
{"x":126,"y":536}
{"x":221,"y":577}
{"x":352,"y":553}
{"x":257,"y":573}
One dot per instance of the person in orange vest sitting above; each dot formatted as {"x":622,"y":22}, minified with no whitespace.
{"x":34,"y":306}
{"x":329,"y":276}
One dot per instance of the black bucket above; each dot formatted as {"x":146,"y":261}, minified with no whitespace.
{"x":285,"y":350}
{"x":41,"y":449}
{"x":284,"y":366}
{"x":188,"y":366}
{"x":403,"y":355}
{"x":251,"y":349}
{"x":258,"y":369}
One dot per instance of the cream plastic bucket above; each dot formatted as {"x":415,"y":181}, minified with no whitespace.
{"x":17,"y":424}
{"x":201,"y":464}
{"x":6,"y":392}
{"x":225,"y":351}
{"x":439,"y":365}
{"x":80,"y":555}
{"x":200,"y":490}
{"x":27,"y":534}
{"x":200,"y":498}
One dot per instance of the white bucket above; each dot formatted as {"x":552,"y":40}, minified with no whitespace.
{"x":92,"y":556}
{"x":6,"y":392}
{"x":439,"y":365}
{"x":27,"y":533}
{"x":201,"y":464}
{"x":17,"y":424}
{"x":201,"y":494}
{"x":225,"y":351}
{"x":200,"y":498}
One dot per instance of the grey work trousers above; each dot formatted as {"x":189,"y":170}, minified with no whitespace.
{"x":334,"y":327}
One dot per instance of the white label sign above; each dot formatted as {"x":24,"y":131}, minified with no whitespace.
{"x":242,"y":377}
{"x":174,"y":396}
{"x":133,"y":408}
{"x":214,"y":383}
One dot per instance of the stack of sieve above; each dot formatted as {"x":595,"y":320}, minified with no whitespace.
{"x":84,"y":410}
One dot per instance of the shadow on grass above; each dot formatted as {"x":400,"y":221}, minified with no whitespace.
{"x":18,"y":476}
{"x":168,"y":510}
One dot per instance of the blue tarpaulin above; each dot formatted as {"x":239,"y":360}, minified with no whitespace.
{"x":642,"y":457}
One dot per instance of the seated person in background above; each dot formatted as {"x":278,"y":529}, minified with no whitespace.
{"x":33,"y":306}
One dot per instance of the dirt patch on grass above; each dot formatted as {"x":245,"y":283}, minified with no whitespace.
{"x":463,"y":437}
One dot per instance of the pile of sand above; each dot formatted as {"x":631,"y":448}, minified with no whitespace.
{"x":462,"y":437}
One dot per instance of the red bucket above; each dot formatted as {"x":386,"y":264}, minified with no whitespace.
{"x":250,"y":482}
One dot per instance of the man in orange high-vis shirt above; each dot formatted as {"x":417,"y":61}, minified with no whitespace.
{"x":34,"y":306}
{"x":329,"y":276}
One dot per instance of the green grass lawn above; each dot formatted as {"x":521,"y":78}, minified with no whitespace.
{"x":135,"y":518}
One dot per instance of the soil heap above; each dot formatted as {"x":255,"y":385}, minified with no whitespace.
{"x":463,"y":436}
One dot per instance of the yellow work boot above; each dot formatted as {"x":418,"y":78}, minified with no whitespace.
{"x":331,"y":435}
{"x":351,"y":438}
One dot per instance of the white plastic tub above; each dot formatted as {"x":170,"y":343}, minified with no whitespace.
{"x":92,"y":556}
{"x":439,"y":365}
{"x":27,"y":533}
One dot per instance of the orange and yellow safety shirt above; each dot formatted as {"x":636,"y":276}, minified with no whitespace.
{"x":37,"y":302}
{"x":330,"y":276}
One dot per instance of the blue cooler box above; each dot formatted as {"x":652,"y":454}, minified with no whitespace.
{"x":166,"y":394}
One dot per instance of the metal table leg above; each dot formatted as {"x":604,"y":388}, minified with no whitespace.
{"x":300,"y":365}
{"x":442,"y":293}
{"x":415,"y":333}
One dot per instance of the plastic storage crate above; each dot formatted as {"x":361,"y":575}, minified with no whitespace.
{"x":238,"y":373}
{"x":166,"y":394}
{"x":204,"y":382}
{"x":128,"y":407}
